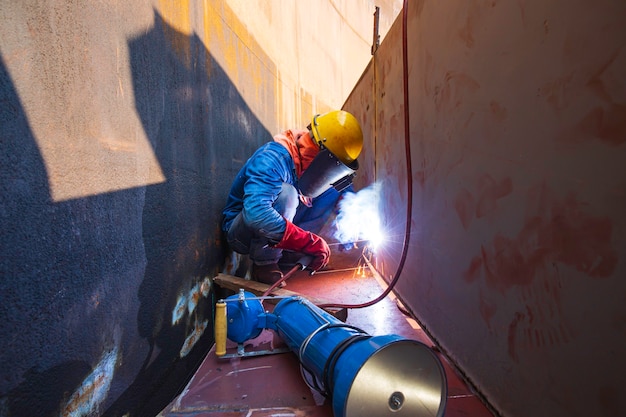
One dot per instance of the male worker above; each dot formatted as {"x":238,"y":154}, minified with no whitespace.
{"x":299,"y":166}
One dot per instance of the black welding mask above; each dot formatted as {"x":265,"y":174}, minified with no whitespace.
{"x":326,"y":171}
{"x":340,"y":139}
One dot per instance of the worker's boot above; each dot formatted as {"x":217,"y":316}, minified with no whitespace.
{"x":267,"y":274}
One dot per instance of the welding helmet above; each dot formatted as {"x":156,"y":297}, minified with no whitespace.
{"x":339,"y":136}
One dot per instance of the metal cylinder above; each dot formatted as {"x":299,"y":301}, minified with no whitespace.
{"x":220,"y":328}
{"x":244,"y":317}
{"x":364,"y":375}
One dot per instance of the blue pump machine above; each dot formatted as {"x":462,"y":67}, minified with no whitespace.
{"x":363,"y":375}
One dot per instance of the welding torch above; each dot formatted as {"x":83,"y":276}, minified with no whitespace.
{"x":301,"y":265}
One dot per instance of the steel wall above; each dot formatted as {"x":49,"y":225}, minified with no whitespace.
{"x":122,"y":125}
{"x":517,"y":257}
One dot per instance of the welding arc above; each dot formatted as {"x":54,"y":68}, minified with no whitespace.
{"x":409,"y":171}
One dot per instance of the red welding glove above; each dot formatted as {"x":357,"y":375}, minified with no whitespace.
{"x":299,"y":240}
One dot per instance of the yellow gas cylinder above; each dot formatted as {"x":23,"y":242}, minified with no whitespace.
{"x":220,"y":328}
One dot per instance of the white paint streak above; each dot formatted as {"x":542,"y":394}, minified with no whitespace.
{"x":238,"y":371}
{"x":87,"y":398}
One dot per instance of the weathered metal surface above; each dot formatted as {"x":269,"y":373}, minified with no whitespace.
{"x":517,"y":134}
{"x":272,"y":385}
{"x":122,"y":125}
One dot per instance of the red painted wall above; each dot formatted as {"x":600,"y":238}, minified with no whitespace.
{"x":517,"y":257}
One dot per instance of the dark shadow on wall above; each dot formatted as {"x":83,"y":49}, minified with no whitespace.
{"x":25,"y":208}
{"x":41,"y":392}
{"x":201,"y":130}
{"x":98,"y":275}
{"x":70,"y":272}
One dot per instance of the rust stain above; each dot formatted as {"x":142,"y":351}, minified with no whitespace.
{"x":187,"y":303}
{"x":464,"y":205}
{"x":557,"y":231}
{"x":606,"y":124}
{"x":82,"y":396}
{"x":505,"y":264}
{"x":606,"y":121}
{"x":87,"y":398}
{"x":194,"y":298}
{"x":455,"y":87}
{"x":466,"y":33}
{"x":193,"y":338}
{"x":95,"y":300}
{"x":232,"y":263}
{"x":562,"y":233}
{"x":488,"y":193}
{"x":420,"y":177}
{"x":558,"y":92}
{"x":566,"y":234}
{"x":596,"y":83}
{"x":474,"y":270}
{"x":579,"y":239}
{"x":498,"y":110}
{"x":540,"y":324}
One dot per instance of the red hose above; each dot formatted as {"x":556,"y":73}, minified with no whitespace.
{"x":409,"y":171}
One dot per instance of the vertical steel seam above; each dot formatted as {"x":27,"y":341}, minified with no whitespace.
{"x":409,"y":175}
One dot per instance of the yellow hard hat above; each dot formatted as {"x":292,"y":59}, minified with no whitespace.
{"x":340,"y":133}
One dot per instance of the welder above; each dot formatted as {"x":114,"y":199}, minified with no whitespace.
{"x":299,"y":175}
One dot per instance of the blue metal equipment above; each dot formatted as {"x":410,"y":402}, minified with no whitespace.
{"x":363,"y":375}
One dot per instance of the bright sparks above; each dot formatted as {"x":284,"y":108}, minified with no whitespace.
{"x":358,"y":218}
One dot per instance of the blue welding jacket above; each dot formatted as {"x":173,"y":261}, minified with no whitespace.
{"x":256,"y":188}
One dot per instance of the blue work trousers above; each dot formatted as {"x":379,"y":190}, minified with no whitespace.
{"x":244,"y":240}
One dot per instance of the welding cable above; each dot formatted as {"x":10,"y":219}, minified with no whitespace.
{"x":409,"y":176}
{"x":303,"y":367}
{"x":305,"y":344}
{"x":329,"y":366}
{"x":285,"y":277}
{"x":299,"y":266}
{"x":316,"y":384}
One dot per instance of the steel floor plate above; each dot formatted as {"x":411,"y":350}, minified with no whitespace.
{"x":273,"y":385}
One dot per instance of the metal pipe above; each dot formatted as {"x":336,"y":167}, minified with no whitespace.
{"x":363,"y":375}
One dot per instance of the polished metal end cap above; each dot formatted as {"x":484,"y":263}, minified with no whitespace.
{"x":405,"y":378}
